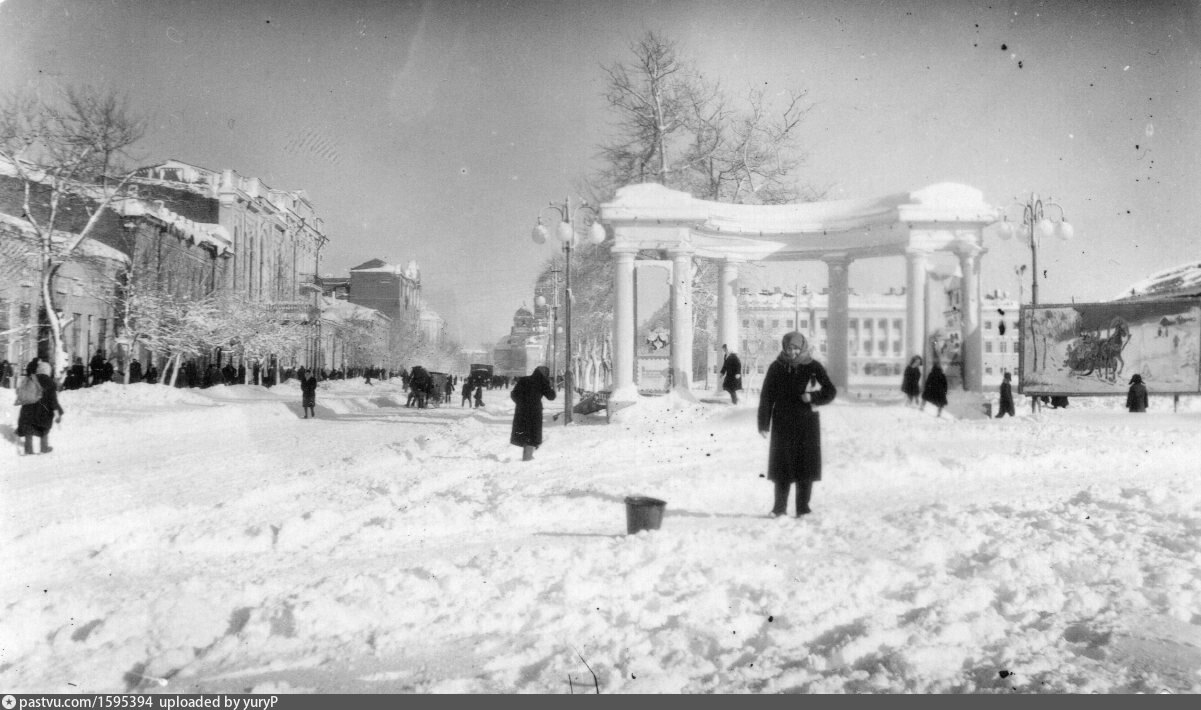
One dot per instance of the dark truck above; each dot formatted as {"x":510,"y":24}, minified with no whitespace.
{"x":480,"y":374}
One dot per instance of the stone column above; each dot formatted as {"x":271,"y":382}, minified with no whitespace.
{"x":837,"y":316}
{"x":972,"y":355}
{"x":727,"y":310}
{"x":624,"y":389}
{"x":681,"y":322}
{"x":916,"y":265}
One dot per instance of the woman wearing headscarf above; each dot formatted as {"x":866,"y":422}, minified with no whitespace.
{"x":911,"y":381}
{"x":794,"y":385}
{"x":935,"y":391}
{"x":36,"y":419}
{"x":527,"y":394}
{"x":1136,"y":397}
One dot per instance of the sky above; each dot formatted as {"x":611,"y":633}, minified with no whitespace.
{"x":380,"y":549}
{"x":439,"y":131}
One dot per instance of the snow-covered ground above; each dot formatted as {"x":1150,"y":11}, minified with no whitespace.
{"x":213,"y":541}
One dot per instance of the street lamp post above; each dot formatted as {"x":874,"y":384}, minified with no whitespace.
{"x":566,"y":233}
{"x":1035,"y":225}
{"x":1032,"y":217}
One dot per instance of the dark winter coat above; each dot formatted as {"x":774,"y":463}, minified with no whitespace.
{"x":37,"y":418}
{"x":911,"y":381}
{"x":795,"y":453}
{"x":1136,"y":398}
{"x":527,"y":417}
{"x":1006,"y":404}
{"x":732,"y":369}
{"x":935,"y":391}
{"x":308,"y":391}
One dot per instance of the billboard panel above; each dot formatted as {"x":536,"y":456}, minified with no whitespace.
{"x":1094,"y":348}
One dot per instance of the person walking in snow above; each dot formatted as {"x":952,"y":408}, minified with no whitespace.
{"x":1006,"y":403}
{"x":1136,"y":397}
{"x":527,"y":394}
{"x":794,"y":386}
{"x":38,"y":418}
{"x":911,"y":381}
{"x":308,"y":394}
{"x":479,"y":394}
{"x":935,"y":391}
{"x":731,"y":368}
{"x":466,"y":393}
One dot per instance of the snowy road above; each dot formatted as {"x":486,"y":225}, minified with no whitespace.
{"x":205,"y":541}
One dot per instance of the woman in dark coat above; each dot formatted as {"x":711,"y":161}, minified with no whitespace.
{"x":794,"y":385}
{"x":1136,"y":397}
{"x":911,"y":381}
{"x":36,"y":419}
{"x":731,"y":368}
{"x":1006,"y":405}
{"x":935,"y":391}
{"x":527,"y":417}
{"x":308,"y":394}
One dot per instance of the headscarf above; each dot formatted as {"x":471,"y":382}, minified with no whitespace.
{"x":794,"y":338}
{"x":544,"y":371}
{"x":1137,"y":379}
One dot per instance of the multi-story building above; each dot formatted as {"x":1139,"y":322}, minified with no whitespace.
{"x":876,"y":330}
{"x":523,"y":348}
{"x":272,"y":237}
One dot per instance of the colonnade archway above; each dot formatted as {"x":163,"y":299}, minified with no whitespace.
{"x":945,"y":217}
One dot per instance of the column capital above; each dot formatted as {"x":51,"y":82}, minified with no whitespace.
{"x":912,"y":252}
{"x":968,"y":251}
{"x":623,"y":251}
{"x":838,"y":259}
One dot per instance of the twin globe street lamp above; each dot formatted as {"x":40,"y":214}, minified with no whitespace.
{"x":565,"y":232}
{"x":1035,"y":225}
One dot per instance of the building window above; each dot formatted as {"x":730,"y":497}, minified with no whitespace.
{"x":896,"y":324}
{"x":823,"y":347}
{"x":804,"y":325}
{"x":988,"y":325}
{"x":789,"y":322}
{"x":896,"y":347}
{"x":823,"y":323}
{"x":867,"y":348}
{"x":988,"y":370}
{"x":759,"y":323}
{"x":882,"y":324}
{"x":103,"y":334}
{"x":775,"y":323}
{"x":988,"y":347}
{"x":746,"y":322}
{"x":1001,"y":346}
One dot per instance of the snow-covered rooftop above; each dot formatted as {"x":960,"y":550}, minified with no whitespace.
{"x":1182,"y":280}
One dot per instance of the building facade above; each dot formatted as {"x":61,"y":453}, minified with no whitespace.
{"x":878,"y":330}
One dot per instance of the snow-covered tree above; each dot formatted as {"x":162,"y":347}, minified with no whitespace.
{"x":63,"y":150}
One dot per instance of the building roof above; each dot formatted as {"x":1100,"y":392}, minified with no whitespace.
{"x":1176,"y":282}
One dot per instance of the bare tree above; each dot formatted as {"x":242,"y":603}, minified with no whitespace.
{"x":64,"y":151}
{"x":674,"y":126}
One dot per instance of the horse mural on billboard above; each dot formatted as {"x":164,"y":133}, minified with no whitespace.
{"x":1094,"y":348}
{"x":1096,"y":352}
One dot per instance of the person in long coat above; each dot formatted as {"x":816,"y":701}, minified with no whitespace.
{"x":1136,"y":397}
{"x":935,"y":391}
{"x":1006,"y":404}
{"x":308,"y":394}
{"x":527,"y":394}
{"x":37,"y":419}
{"x":731,"y":368}
{"x":911,"y":381}
{"x":795,"y":384}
